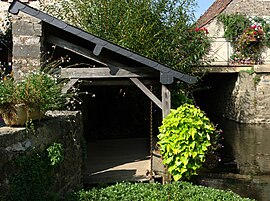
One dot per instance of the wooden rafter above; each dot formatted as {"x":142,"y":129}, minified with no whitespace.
{"x":147,"y":92}
{"x":75,"y":49}
{"x":69,"y":85}
{"x":105,"y":72}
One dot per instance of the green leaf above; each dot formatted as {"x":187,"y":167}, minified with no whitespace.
{"x":184,"y":146}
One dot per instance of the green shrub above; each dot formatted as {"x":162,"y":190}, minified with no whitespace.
{"x":154,"y":191}
{"x":186,"y":137}
{"x":34,"y":177}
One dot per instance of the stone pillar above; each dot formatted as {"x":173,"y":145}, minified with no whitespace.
{"x":27,"y":42}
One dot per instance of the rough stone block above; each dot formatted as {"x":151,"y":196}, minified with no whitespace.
{"x":26,"y":40}
{"x":26,"y":28}
{"x":26,"y":51}
{"x":59,"y":126}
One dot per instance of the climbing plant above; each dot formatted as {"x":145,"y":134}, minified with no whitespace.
{"x":186,"y":137}
{"x":248,"y":36}
{"x":33,"y":179}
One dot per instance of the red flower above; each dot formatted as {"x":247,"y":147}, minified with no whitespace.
{"x":202,"y":29}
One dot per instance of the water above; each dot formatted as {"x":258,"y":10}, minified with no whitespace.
{"x":248,"y":145}
{"x":245,"y":168}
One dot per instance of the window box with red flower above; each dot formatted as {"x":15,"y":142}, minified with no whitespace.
{"x":249,"y":37}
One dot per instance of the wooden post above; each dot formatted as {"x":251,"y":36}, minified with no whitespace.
{"x":166,"y":106}
{"x":166,"y":101}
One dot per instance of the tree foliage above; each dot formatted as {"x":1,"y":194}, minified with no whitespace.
{"x":159,"y":29}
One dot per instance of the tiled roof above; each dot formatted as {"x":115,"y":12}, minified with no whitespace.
{"x":167,"y":74}
{"x":214,"y":10}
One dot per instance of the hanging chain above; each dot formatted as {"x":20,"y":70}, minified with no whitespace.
{"x":151,"y":135}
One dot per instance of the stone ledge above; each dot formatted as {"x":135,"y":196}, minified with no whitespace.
{"x":223,"y":69}
{"x":63,"y":127}
{"x":265,"y":68}
{"x":262,"y":68}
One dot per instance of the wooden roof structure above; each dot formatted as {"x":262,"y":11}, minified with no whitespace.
{"x":116,"y":62}
{"x":99,"y":45}
{"x":213,"y":11}
{"x":113,"y":62}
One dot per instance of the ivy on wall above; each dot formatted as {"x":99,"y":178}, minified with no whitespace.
{"x":34,"y":176}
{"x":249,"y":36}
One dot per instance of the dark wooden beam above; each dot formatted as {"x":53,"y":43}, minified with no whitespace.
{"x":75,"y":49}
{"x":147,"y":92}
{"x":115,"y":82}
{"x":105,"y":72}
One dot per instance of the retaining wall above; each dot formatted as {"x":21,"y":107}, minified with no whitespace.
{"x":63,"y":127}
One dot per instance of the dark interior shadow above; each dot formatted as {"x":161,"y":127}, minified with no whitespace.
{"x":105,"y":154}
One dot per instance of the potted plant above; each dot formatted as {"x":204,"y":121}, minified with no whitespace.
{"x":30,"y":98}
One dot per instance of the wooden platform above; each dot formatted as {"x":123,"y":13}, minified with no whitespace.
{"x":111,"y":161}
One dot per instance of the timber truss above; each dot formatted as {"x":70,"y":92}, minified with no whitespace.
{"x":112,"y":62}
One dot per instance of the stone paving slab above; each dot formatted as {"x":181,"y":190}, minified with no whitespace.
{"x":116,"y":160}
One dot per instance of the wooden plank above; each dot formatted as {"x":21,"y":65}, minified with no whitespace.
{"x":75,"y":49}
{"x":166,"y":101}
{"x":69,"y":85}
{"x":115,"y":82}
{"x":166,"y":107}
{"x":104,"y":72}
{"x":147,"y":92}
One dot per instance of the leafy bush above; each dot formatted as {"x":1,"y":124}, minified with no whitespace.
{"x":33,"y":176}
{"x":186,"y":136}
{"x":35,"y":93}
{"x":41,"y":91}
{"x":154,"y":191}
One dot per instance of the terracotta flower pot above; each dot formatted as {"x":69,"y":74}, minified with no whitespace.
{"x":18,"y":115}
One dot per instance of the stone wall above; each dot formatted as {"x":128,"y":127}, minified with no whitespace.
{"x":242,"y":97}
{"x":222,"y":50}
{"x":249,"y":7}
{"x":27,"y":36}
{"x":61,"y":127}
{"x":249,"y":100}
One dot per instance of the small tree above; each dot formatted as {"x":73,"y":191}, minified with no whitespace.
{"x":186,"y":136}
{"x":159,"y":29}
